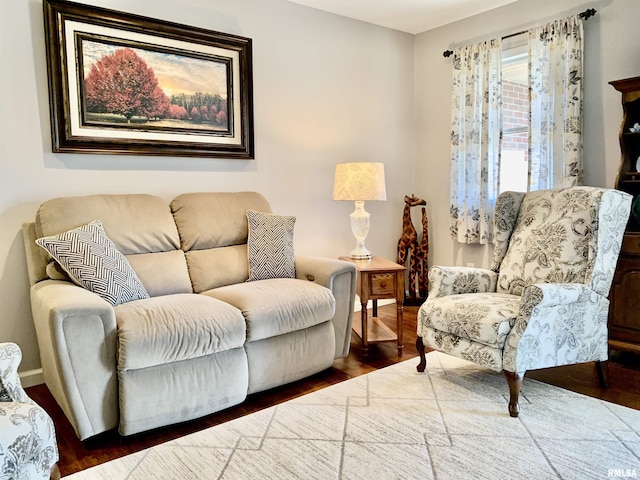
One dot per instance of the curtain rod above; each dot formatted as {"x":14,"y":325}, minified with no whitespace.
{"x":586,"y":15}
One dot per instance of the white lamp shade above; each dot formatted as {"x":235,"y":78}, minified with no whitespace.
{"x":359,"y":181}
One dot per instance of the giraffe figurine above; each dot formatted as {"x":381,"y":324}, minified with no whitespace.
{"x":408,"y":243}
{"x":421,"y":253}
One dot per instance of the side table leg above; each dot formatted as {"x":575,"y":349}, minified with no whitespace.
{"x":365,"y":340}
{"x":399,"y":329}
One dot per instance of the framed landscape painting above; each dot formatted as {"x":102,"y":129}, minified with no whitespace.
{"x":126,"y":84}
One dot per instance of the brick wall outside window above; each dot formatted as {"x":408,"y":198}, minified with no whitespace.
{"x":515,"y":113}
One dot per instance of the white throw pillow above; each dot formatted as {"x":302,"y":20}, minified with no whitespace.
{"x":270,"y":246}
{"x":94,"y":262}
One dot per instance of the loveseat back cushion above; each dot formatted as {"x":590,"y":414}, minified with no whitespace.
{"x":215,"y":267}
{"x":554,"y":239}
{"x":138,"y":225}
{"x":278,"y":305}
{"x":164,"y":273}
{"x":173,"y":328}
{"x":213,"y":232}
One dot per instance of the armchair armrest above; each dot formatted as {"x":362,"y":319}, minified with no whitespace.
{"x":558,"y":324}
{"x":445,"y":281}
{"x":339,"y":277}
{"x":541,"y":295}
{"x":27,"y":434}
{"x":10,"y":387}
{"x":76,"y":332}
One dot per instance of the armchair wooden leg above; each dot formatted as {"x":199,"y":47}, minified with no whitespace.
{"x":603,"y":374}
{"x":423,"y":360}
{"x":514,"y":379}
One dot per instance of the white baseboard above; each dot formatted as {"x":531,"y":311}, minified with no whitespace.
{"x":31,"y":377}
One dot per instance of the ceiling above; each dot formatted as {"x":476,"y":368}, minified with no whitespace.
{"x":411,"y":16}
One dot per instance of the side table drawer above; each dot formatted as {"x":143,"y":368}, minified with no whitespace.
{"x":383,"y":284}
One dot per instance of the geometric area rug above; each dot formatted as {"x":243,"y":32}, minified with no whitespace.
{"x":450,"y":422}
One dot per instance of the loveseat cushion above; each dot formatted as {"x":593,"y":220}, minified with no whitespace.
{"x":213,"y":233}
{"x":277,"y":306}
{"x":139,"y":225}
{"x":214,"y":219}
{"x":136,"y":223}
{"x":485,"y":318}
{"x":173,"y":328}
{"x":163,"y":273}
{"x":217,"y":267}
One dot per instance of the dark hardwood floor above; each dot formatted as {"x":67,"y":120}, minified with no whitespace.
{"x":624,"y":389}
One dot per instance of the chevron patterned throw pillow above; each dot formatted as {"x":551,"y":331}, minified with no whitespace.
{"x":94,"y":262}
{"x":270,"y":246}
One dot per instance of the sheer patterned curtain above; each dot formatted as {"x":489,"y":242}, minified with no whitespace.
{"x":555,"y":80}
{"x":476,"y":120}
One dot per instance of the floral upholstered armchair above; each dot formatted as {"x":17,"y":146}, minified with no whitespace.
{"x":543,"y":302}
{"x":28,"y":448}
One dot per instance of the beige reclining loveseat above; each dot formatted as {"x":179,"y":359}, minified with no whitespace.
{"x":197,"y":337}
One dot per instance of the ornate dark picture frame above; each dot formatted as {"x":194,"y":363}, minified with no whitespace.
{"x":127,"y":84}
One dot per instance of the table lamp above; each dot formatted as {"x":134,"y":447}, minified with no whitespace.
{"x":359,"y":182}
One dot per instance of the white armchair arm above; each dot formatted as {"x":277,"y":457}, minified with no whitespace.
{"x":28,"y":447}
{"x":10,"y":387}
{"x":558,"y":324}
{"x":445,"y":281}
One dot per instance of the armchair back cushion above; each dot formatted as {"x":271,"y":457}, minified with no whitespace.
{"x":505,"y":218}
{"x":555,"y":239}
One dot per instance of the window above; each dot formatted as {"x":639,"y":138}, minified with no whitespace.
{"x":514,"y":162}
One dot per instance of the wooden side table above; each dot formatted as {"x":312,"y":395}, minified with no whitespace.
{"x":378,"y":279}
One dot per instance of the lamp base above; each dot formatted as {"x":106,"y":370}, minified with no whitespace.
{"x":360,"y":256}
{"x":360,"y":228}
{"x":360,"y":252}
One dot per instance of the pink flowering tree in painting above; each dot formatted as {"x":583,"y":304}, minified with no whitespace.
{"x":178,"y":112}
{"x":123,"y":84}
{"x":221,"y":117}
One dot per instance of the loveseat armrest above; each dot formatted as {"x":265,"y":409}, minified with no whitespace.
{"x":558,"y":324}
{"x":445,"y":281}
{"x":339,"y":277}
{"x":76,"y":332}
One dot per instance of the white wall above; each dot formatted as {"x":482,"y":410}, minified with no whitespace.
{"x":326,"y":90}
{"x":612,"y":45}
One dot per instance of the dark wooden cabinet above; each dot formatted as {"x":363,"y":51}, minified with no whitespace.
{"x":624,"y":311}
